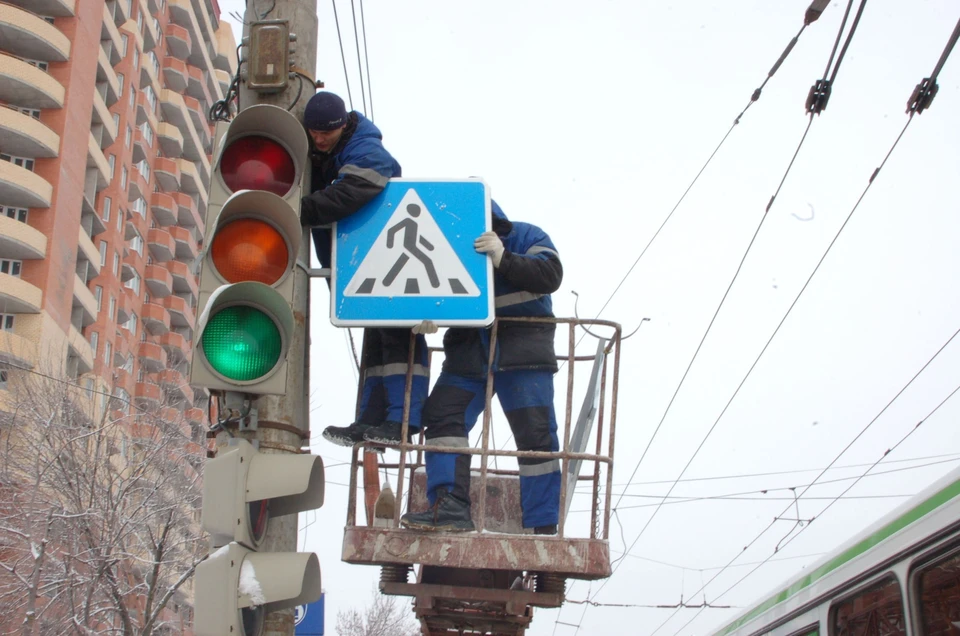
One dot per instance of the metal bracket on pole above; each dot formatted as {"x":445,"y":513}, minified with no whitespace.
{"x":239,"y":408}
{"x":314,"y":272}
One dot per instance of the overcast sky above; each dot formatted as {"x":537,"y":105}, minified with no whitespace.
{"x":590,"y":119}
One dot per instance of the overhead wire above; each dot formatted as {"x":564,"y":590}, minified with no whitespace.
{"x":356,"y":39}
{"x":366,"y":57}
{"x":343,"y":55}
{"x":885,"y":454}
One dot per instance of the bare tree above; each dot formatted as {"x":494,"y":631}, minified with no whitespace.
{"x":99,"y":513}
{"x":385,"y":616}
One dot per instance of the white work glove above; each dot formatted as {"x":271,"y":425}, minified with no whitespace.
{"x":490,"y":243}
{"x":426,"y":327}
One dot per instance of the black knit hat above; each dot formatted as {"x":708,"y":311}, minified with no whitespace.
{"x":325,"y":111}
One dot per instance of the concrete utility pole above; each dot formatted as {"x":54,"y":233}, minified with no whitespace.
{"x":283,"y":422}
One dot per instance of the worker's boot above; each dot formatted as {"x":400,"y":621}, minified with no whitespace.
{"x":448,"y":514}
{"x":346,"y":435}
{"x":388,"y":433}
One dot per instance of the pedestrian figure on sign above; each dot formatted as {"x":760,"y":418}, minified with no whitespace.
{"x":410,"y":230}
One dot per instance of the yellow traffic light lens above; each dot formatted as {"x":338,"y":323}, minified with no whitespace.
{"x":250,"y":250}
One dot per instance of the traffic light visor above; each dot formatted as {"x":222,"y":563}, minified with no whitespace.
{"x":256,"y":237}
{"x":245,"y":330}
{"x":264,"y":148}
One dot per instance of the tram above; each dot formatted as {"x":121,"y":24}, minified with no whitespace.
{"x":490,"y":581}
{"x":900,"y":577}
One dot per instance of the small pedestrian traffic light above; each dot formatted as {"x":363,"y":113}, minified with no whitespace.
{"x":246,"y":282}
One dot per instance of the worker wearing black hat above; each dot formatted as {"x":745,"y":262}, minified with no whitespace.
{"x":351,"y":167}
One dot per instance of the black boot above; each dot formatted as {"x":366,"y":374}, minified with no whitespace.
{"x":388,"y":433}
{"x":346,"y":435}
{"x":449,"y":514}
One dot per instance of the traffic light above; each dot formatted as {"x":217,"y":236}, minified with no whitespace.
{"x":246,"y":282}
{"x":235,"y":587}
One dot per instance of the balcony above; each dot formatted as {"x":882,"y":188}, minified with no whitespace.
{"x":187,"y":214}
{"x":17,"y":296}
{"x":84,"y":300}
{"x":175,"y":344}
{"x":223,"y":80}
{"x":161,"y":243}
{"x":132,"y":266}
{"x":181,"y":13}
{"x":175,"y":385}
{"x":136,"y":225}
{"x":186,"y":245}
{"x":141,"y":146}
{"x":198,"y":116}
{"x":175,"y":74}
{"x":184,"y":281}
{"x":138,"y":187}
{"x":146,"y":112}
{"x":149,"y":73}
{"x":97,"y":161}
{"x":52,"y":8}
{"x":156,"y":319}
{"x":101,"y":115}
{"x":164,"y":208}
{"x":81,"y":349}
{"x":20,"y":241}
{"x":167,"y":173}
{"x":171,"y":140}
{"x":197,"y":85}
{"x":147,"y":395}
{"x":123,"y":379}
{"x":16,"y":350}
{"x":107,"y":77}
{"x":89,"y":250}
{"x":24,"y":136}
{"x":21,"y":188}
{"x":152,"y":357}
{"x":120,"y":10}
{"x":21,"y":83}
{"x":110,"y":34}
{"x":24,"y":34}
{"x":190,"y":181}
{"x":126,"y":305}
{"x":158,"y":280}
{"x":175,"y":112}
{"x":179,"y":42}
{"x":151,"y":36}
{"x":181,"y":313}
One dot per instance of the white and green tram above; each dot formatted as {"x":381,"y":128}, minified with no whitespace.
{"x":901,"y":576}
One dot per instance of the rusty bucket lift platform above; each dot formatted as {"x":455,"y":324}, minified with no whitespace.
{"x":488,"y":582}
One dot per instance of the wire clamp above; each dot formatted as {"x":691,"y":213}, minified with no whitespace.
{"x":818,"y":96}
{"x":922,"y":96}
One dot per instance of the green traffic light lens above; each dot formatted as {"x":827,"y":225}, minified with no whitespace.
{"x":241,"y":343}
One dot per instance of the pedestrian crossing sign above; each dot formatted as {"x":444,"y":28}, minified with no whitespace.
{"x":408,"y":256}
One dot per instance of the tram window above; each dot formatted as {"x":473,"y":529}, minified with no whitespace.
{"x":876,"y":611}
{"x":940,"y":597}
{"x":809,"y":631}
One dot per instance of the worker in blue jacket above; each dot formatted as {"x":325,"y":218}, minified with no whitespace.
{"x":527,"y":270}
{"x":350,"y":168}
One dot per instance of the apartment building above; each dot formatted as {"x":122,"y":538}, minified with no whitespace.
{"x":105,"y":163}
{"x":105,"y":151}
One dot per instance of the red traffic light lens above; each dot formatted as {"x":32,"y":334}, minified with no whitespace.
{"x":249,"y":250}
{"x":258,"y":163}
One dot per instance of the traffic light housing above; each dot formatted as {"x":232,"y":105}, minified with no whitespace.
{"x":246,"y":281}
{"x":235,"y":587}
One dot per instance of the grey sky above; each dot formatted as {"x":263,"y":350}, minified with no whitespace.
{"x":590,"y":119}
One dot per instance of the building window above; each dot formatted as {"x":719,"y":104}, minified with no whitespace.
{"x":103,"y":253}
{"x":98,"y":294}
{"x":123,"y":178}
{"x":18,"y":214}
{"x":107,"y":203}
{"x":133,"y":96}
{"x":116,"y":263}
{"x":6,"y":322}
{"x":113,"y":308}
{"x":124,"y":41}
{"x":94,"y":342}
{"x":43,"y":66}
{"x":144,"y":169}
{"x":136,"y":244}
{"x":131,"y":325}
{"x":112,"y":161}
{"x":120,"y":78}
{"x":134,"y":284}
{"x":48,"y":19}
{"x":10,"y":267}
{"x":116,"y":121}
{"x":140,"y":207}
{"x":120,"y":219}
{"x":23,"y":162}
{"x":136,"y":59}
{"x":31,"y":112}
{"x":129,"y":135}
{"x":107,"y":353}
{"x":4,"y":378}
